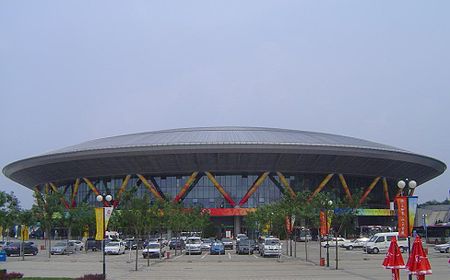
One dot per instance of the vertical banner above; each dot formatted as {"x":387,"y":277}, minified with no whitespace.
{"x":108,"y":213}
{"x":412,"y":207}
{"x":323,"y":224}
{"x":24,"y":233}
{"x":99,"y":221}
{"x":402,"y":216}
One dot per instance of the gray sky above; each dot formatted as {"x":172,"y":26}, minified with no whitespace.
{"x":71,"y":71}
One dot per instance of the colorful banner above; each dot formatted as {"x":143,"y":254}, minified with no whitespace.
{"x":24,"y":233}
{"x":99,"y":219}
{"x":412,"y":207}
{"x":99,"y":222}
{"x":216,"y":212}
{"x":402,"y":216}
{"x":324,"y":225}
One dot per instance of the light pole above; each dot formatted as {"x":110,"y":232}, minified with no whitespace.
{"x":425,"y":227}
{"x":101,"y":198}
{"x":328,"y":204}
{"x":409,"y":191}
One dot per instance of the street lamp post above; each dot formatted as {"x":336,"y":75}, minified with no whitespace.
{"x":329,"y":203}
{"x":101,"y":198}
{"x":411,"y":184}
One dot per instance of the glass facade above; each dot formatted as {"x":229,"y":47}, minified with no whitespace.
{"x":203,"y":193}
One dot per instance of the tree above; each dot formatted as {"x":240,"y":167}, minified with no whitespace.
{"x":9,"y":211}
{"x":135,"y":215}
{"x":48,"y":205}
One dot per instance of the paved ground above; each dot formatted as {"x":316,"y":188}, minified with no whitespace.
{"x":352,"y":265}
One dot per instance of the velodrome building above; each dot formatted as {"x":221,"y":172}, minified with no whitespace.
{"x":228,"y":170}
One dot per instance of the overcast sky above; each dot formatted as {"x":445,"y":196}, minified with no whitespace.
{"x":71,"y":71}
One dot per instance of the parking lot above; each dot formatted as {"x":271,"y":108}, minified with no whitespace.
{"x":352,"y":265}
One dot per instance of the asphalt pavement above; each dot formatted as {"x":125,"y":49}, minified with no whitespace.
{"x":353,"y":264}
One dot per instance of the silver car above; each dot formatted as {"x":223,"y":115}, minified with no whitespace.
{"x":443,"y":248}
{"x":63,"y":248}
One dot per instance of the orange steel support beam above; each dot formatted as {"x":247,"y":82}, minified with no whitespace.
{"x":75,"y":192}
{"x":345,"y":186}
{"x":321,"y":186}
{"x":94,"y":190}
{"x":150,"y":187}
{"x":253,"y":188}
{"x":121,"y":190}
{"x":186,"y":186}
{"x":46,"y":188}
{"x":220,"y":189}
{"x":63,"y":200}
{"x":386,"y":192}
{"x":368,"y":190}
{"x":286,"y":185}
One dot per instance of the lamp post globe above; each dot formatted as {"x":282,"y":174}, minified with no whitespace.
{"x":99,"y":198}
{"x":412,"y":184}
{"x":401,"y":184}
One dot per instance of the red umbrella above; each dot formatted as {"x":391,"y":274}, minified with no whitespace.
{"x":418,"y":263}
{"x":394,"y":259}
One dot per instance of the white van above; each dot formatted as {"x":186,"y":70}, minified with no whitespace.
{"x":380,"y":243}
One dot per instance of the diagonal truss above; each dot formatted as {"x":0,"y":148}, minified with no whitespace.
{"x":76,"y":186}
{"x":286,"y":185}
{"x":345,"y":186}
{"x":94,"y":190}
{"x":386,"y":192}
{"x":121,"y":190}
{"x":150,"y":187}
{"x":184,"y":190}
{"x":321,"y":186}
{"x":63,"y":200}
{"x":368,"y":190}
{"x":221,"y":190}
{"x":253,"y":188}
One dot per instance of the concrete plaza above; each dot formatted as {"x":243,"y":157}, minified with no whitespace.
{"x":352,"y":265}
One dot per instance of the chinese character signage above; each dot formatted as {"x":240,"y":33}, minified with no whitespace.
{"x":406,"y":212}
{"x":402,"y":216}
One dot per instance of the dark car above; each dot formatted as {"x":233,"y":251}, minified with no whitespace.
{"x":176,"y":244}
{"x":228,"y":243}
{"x":246,"y":246}
{"x":133,"y":243}
{"x":14,"y":249}
{"x":92,"y":244}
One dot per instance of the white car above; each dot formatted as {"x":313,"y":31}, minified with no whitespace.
{"x":332,"y":242}
{"x":154,"y":249}
{"x":193,"y":245}
{"x":270,"y":247}
{"x":355,"y":243}
{"x":115,"y":248}
{"x":443,"y":248}
{"x":79,"y":245}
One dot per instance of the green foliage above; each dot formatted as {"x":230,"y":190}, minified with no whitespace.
{"x":9,"y":210}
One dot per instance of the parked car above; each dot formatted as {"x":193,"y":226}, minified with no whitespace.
{"x":241,"y":236}
{"x":134,"y":243}
{"x":193,"y":245}
{"x":14,"y":248}
{"x":270,"y":247}
{"x":380,"y":242}
{"x":92,"y":244}
{"x":178,"y":244}
{"x":228,"y":243}
{"x":78,"y":245}
{"x":355,"y":243}
{"x":206,"y":244}
{"x":63,"y":248}
{"x":154,"y":250}
{"x":443,"y":248}
{"x":332,"y":242}
{"x":115,"y":248}
{"x":217,"y":248}
{"x":246,"y":246}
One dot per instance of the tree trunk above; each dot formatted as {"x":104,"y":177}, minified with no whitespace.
{"x":137,"y":253}
{"x":49,"y":242}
